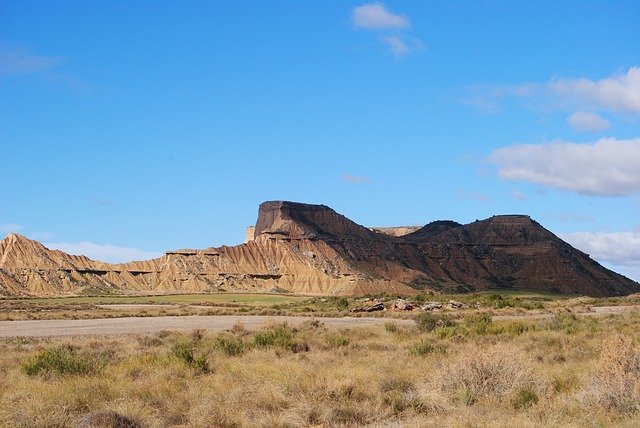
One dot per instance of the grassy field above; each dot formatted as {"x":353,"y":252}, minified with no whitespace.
{"x":444,"y":371}
{"x":494,"y":303}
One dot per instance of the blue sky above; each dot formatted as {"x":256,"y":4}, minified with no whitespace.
{"x":132,"y":128}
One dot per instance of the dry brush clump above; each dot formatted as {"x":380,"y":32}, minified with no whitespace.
{"x":499,"y":374}
{"x":615,"y":385}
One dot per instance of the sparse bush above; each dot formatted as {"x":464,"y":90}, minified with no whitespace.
{"x":513,"y":328}
{"x":424,"y":347}
{"x":478,"y":323}
{"x":61,"y":360}
{"x":197,"y":335}
{"x":230,"y":344}
{"x":277,"y":335}
{"x":391,"y":327}
{"x":615,"y":385}
{"x":312,"y":324}
{"x":185,"y":351}
{"x":239,"y":328}
{"x":337,"y":341}
{"x":498,"y":372}
{"x":524,"y":398}
{"x":565,"y":322}
{"x":446,"y":332}
{"x":429,"y":322}
{"x":342,"y":303}
{"x":419,"y":298}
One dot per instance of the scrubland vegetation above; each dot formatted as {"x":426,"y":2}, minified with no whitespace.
{"x":493,"y":303}
{"x":446,"y":371}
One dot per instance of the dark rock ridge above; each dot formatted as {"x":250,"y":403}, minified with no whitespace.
{"x":305,"y":248}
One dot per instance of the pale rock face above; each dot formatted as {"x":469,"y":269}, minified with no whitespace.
{"x":311,"y":249}
{"x":250,"y":234}
{"x":396,"y":231}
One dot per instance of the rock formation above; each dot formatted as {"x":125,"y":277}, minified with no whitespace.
{"x":304,"y":248}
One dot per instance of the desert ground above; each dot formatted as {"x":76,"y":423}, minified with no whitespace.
{"x":507,"y":359}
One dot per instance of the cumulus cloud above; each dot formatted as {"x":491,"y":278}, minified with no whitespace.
{"x":355,"y":179}
{"x":18,"y":60}
{"x":619,"y":92}
{"x":375,"y":16}
{"x":608,"y":167}
{"x":398,"y":47}
{"x":9,"y":227}
{"x":103,"y":252}
{"x":618,"y":248}
{"x":587,"y":121}
{"x":402,"y":45}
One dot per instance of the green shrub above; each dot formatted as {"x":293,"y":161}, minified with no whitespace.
{"x":420,"y":298}
{"x":391,"y":327}
{"x":424,"y":348}
{"x":568,"y":323}
{"x":524,"y":398}
{"x":479,"y":323}
{"x":429,"y":322}
{"x":337,"y":341}
{"x":446,"y":332}
{"x":514,"y":328}
{"x":60,"y":360}
{"x":185,"y":351}
{"x":278,"y":335}
{"x":342,"y":303}
{"x":230,"y":344}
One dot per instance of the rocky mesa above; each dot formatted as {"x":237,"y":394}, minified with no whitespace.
{"x":311,"y":249}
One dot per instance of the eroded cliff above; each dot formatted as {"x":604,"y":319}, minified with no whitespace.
{"x":305,"y":248}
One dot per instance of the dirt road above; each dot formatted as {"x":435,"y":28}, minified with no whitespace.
{"x":595,"y":311}
{"x":133,"y":325}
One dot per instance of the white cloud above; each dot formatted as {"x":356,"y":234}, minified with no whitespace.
{"x":375,"y":16}
{"x":587,"y":121}
{"x":103,"y":252}
{"x":402,"y":45}
{"x":619,"y":92}
{"x":398,"y":47}
{"x":8,"y":228}
{"x":618,"y":248}
{"x":608,"y":167}
{"x":355,"y":179}
{"x":17,"y":60}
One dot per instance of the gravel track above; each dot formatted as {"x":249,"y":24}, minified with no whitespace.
{"x":142,"y":325}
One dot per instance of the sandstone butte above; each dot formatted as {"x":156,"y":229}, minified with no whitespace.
{"x":311,"y":249}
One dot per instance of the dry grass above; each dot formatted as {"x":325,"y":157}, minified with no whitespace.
{"x":563,"y":372}
{"x":497,"y":373}
{"x":615,"y":385}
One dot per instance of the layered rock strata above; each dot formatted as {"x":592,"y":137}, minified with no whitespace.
{"x":311,"y":249}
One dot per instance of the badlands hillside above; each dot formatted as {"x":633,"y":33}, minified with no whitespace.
{"x":303,"y":248}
